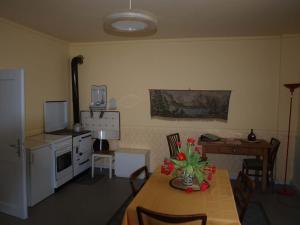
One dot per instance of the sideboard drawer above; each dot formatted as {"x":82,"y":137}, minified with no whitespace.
{"x":211,"y":149}
{"x":232,"y":150}
{"x":222,"y":150}
{"x":228,"y":150}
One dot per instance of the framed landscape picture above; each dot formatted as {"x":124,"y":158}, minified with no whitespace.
{"x":212,"y":104}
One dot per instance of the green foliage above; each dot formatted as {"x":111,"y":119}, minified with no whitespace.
{"x":193,"y":165}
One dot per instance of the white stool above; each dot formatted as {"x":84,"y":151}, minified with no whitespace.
{"x":106,"y":155}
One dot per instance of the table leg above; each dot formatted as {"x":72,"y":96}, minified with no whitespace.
{"x":258,"y":157}
{"x":93,"y":162}
{"x":110,"y":167}
{"x":265,"y":171}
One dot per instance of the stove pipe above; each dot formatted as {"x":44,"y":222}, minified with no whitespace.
{"x":75,"y":93}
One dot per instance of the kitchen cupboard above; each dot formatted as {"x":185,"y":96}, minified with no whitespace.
{"x":40,"y":173}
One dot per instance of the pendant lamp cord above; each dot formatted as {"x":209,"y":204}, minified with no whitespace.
{"x":129,"y":4}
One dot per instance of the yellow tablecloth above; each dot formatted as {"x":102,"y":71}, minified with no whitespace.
{"x":217,"y":202}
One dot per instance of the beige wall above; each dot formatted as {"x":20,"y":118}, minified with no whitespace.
{"x":253,"y":68}
{"x":45,"y":61}
{"x":129,"y":69}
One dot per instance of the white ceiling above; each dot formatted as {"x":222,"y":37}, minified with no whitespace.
{"x":81,"y":20}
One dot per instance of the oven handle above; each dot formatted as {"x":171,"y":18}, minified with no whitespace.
{"x":84,"y":162}
{"x":61,"y":152}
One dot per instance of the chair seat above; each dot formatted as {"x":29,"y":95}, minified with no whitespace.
{"x":253,"y":164}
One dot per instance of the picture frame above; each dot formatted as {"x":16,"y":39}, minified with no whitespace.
{"x":186,"y":104}
{"x":98,"y":97}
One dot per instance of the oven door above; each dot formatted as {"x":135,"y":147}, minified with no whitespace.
{"x":85,"y":144}
{"x":63,"y":161}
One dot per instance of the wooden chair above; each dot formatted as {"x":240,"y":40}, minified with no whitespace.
{"x":168,"y":218}
{"x":242,"y":193}
{"x":133,"y":179}
{"x":257,"y":164}
{"x":173,"y":148}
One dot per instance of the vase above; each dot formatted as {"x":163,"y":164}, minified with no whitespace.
{"x":188,"y":180}
{"x":251,"y":136}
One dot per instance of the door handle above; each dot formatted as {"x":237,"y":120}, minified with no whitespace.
{"x":17,"y":146}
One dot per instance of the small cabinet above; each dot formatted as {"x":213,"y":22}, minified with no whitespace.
{"x":129,"y":160}
{"x":40,"y":174}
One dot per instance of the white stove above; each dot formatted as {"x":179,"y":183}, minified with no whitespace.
{"x":81,"y":149}
{"x":82,"y":153}
{"x":74,"y":157}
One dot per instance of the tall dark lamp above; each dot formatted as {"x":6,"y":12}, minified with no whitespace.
{"x":284,"y":190}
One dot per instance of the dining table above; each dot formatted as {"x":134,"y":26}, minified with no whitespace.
{"x":217,"y":202}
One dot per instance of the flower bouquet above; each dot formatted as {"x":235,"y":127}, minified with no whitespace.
{"x":191,"y":166}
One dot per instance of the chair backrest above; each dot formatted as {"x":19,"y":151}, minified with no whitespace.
{"x":133,"y":179}
{"x":168,"y":218}
{"x":173,"y":148}
{"x":275,"y":143}
{"x":242,"y":193}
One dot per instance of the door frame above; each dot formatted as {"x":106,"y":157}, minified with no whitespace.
{"x":23,"y":149}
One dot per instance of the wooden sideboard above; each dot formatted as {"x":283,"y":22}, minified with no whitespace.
{"x":241,"y":147}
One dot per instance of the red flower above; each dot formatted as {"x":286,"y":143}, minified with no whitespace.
{"x":204,"y":186}
{"x":181,"y":156}
{"x":178,"y":143}
{"x":191,"y":141}
{"x":198,"y":149}
{"x":163,"y":170}
{"x":189,"y":190}
{"x":171,"y":166}
{"x":213,"y":169}
{"x":209,"y":176}
{"x":166,"y":161}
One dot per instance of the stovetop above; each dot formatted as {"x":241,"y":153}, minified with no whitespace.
{"x":69,"y":132}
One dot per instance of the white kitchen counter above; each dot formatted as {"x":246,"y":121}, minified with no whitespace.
{"x":32,"y":145}
{"x":41,"y":140}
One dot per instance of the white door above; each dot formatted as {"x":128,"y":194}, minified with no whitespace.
{"x":13,"y":199}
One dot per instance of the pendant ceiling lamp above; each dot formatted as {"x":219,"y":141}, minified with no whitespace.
{"x":130,"y":22}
